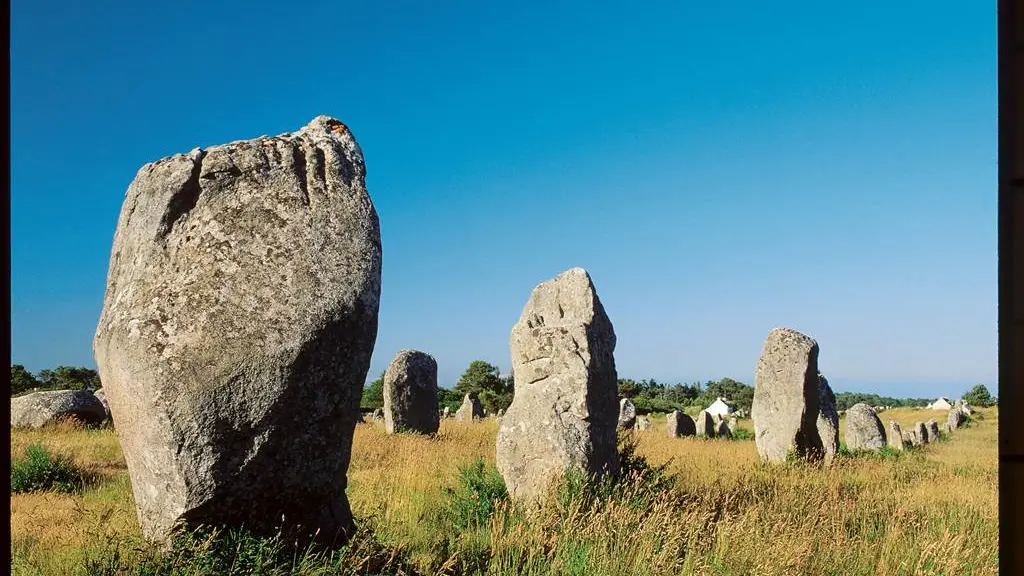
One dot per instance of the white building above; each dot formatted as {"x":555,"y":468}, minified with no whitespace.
{"x":942,"y":403}
{"x":720,"y":407}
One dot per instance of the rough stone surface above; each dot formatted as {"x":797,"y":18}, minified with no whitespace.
{"x":469,"y":410}
{"x":447,"y":412}
{"x":828,"y":419}
{"x":731,"y":422}
{"x":564,"y":412}
{"x":238,"y":323}
{"x":102,"y":397}
{"x":627,"y":414}
{"x":410,"y":393}
{"x":40,"y":408}
{"x":895,"y":438}
{"x":910,"y":438}
{"x":921,"y":431}
{"x":864,"y":431}
{"x":723,"y":430}
{"x":377,"y":415}
{"x":705,"y":424}
{"x":786,"y":405}
{"x":955,"y":418}
{"x":678,"y":425}
{"x":643,"y":423}
{"x":933,"y":430}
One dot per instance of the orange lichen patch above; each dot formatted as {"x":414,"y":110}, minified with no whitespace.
{"x":336,"y":126}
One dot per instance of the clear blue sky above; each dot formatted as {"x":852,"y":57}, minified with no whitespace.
{"x":720,"y":169}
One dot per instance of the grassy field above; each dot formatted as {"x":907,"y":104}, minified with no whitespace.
{"x":713,"y":510}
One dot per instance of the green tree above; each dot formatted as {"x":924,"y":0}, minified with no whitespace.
{"x":22,"y":380}
{"x":979,"y":396}
{"x":69,"y":378}
{"x":373,"y":394}
{"x":483,"y":381}
{"x":628,"y":388}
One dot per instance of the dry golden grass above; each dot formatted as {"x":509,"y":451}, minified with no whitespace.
{"x":927,"y":511}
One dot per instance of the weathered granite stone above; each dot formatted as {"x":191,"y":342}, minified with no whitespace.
{"x":410,"y":393}
{"x":864,"y":431}
{"x":705,"y":425}
{"x":933,"y":430}
{"x":895,"y":438}
{"x":786,"y":405}
{"x":678,"y":425}
{"x":469,"y":410}
{"x":955,"y":418}
{"x":643,"y":423}
{"x":722,"y":430}
{"x":102,"y":397}
{"x":627,"y":414}
{"x":921,"y":432}
{"x":564,"y":414}
{"x":37,"y":409}
{"x":828,"y":419}
{"x":237,"y":328}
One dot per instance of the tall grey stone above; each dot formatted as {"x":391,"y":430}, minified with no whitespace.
{"x":955,"y":418}
{"x":470,"y":409}
{"x":864,"y":431}
{"x":564,"y":412}
{"x":786,"y":405}
{"x":627,"y":414}
{"x":933,"y":430}
{"x":705,"y":425}
{"x":237,"y":328}
{"x":895,"y":438}
{"x":678,"y":424}
{"x":921,"y":432}
{"x":36,"y":409}
{"x":410,"y":393}
{"x":828,"y":419}
{"x":722,"y":430}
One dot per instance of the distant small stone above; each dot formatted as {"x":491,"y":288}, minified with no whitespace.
{"x":921,"y":431}
{"x":627,"y":414}
{"x":895,"y":438}
{"x":723,"y":430}
{"x":410,"y":393}
{"x":40,"y":408}
{"x":955,"y":418}
{"x":864,"y":431}
{"x":643,"y":423}
{"x":705,"y":425}
{"x":470,"y":410}
{"x":933,"y":430}
{"x":678,"y":425}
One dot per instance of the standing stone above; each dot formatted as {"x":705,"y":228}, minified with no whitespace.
{"x":921,"y":431}
{"x":447,"y":412}
{"x":785,"y":409}
{"x":895,"y":435}
{"x":627,"y":414}
{"x":955,"y":418}
{"x":678,"y":424}
{"x":102,"y":397}
{"x":864,"y":431}
{"x":410,"y":393}
{"x":723,"y":430}
{"x":910,"y":438}
{"x":705,"y":424}
{"x":643,"y":423}
{"x":237,"y":328}
{"x":377,"y":415}
{"x":564,"y":412}
{"x":37,"y":409}
{"x":933,"y":430}
{"x":828,"y":419}
{"x":501,"y":412}
{"x":732,"y":426}
{"x":470,"y":410}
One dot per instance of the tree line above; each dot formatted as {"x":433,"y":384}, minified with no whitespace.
{"x":59,"y":378}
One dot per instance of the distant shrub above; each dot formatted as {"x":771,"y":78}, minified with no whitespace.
{"x":742,"y":434}
{"x":40,"y":470}
{"x":472,"y":502}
